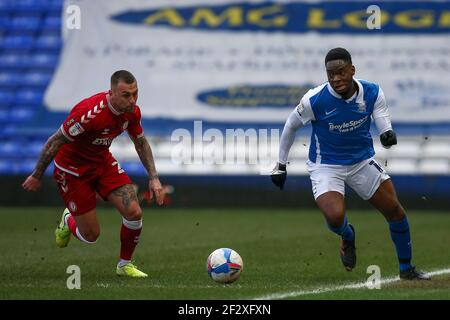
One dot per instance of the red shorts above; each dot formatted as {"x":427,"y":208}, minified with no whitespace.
{"x":80,"y":193}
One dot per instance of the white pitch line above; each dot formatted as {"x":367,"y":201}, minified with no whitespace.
{"x":357,"y":285}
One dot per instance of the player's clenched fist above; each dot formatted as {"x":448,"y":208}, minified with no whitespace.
{"x":32,"y":184}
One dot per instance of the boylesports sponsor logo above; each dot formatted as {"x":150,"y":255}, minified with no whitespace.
{"x":347,"y":126}
{"x":102,"y":141}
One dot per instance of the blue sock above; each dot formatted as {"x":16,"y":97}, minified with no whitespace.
{"x":344,"y":230}
{"x":402,"y":241}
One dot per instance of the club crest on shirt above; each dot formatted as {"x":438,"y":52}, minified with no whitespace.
{"x":362,"y":107}
{"x":125,"y":125}
{"x":76,"y":129}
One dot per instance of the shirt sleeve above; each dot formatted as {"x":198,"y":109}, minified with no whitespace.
{"x":380,"y":113}
{"x":135,"y":126}
{"x":75,"y":125}
{"x":304,"y":110}
{"x":299,"y":117}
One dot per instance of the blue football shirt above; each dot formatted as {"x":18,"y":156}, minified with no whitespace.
{"x":340,"y":128}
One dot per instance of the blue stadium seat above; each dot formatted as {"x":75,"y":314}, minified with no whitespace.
{"x":29,"y":97}
{"x":27,"y":166}
{"x":31,"y":6}
{"x":7,"y":97}
{"x":34,"y":148}
{"x":14,"y":61}
{"x":6,"y":6}
{"x":5,"y":166}
{"x":25,"y":24}
{"x":36,"y":79}
{"x":4,"y":114}
{"x":16,"y":43}
{"x":31,"y":15}
{"x":24,"y":167}
{"x":11,"y":149}
{"x":14,"y":167}
{"x":133,"y":168}
{"x":48,"y":42}
{"x":43,"y":60}
{"x":21,"y":115}
{"x":52,"y":23}
{"x":10,"y":79}
{"x":56,"y":6}
{"x":5,"y":21}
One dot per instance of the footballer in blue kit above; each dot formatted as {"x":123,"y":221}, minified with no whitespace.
{"x":341,"y":152}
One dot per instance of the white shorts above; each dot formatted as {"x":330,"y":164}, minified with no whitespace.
{"x":364,"y":177}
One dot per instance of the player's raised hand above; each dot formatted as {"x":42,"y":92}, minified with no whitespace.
{"x":32,"y":184}
{"x":278,"y":175}
{"x":154,"y":187}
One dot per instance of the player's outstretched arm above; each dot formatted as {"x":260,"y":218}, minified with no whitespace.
{"x":279,"y":173}
{"x":144,"y":151}
{"x":33,"y":182}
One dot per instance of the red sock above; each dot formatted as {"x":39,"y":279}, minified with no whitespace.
{"x":129,"y":238}
{"x":72,"y":226}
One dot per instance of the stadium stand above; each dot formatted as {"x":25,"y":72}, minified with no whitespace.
{"x":30,"y":43}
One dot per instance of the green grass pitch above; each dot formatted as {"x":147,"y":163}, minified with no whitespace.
{"x":284,"y":251}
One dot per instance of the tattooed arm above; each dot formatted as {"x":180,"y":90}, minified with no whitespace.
{"x":33,"y":182}
{"x":144,"y":151}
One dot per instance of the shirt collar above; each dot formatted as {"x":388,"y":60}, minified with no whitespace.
{"x":108,"y":99}
{"x":359,"y":94}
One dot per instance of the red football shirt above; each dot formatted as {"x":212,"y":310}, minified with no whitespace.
{"x":91,"y":127}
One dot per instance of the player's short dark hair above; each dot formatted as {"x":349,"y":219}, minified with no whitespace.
{"x":122,"y":75}
{"x":338,"y":54}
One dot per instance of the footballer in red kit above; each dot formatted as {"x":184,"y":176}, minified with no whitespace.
{"x":84,"y":167}
{"x":91,"y":127}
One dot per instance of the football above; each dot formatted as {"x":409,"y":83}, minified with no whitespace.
{"x":224,"y":265}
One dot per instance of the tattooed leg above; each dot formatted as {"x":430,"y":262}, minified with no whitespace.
{"x":125,"y":200}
